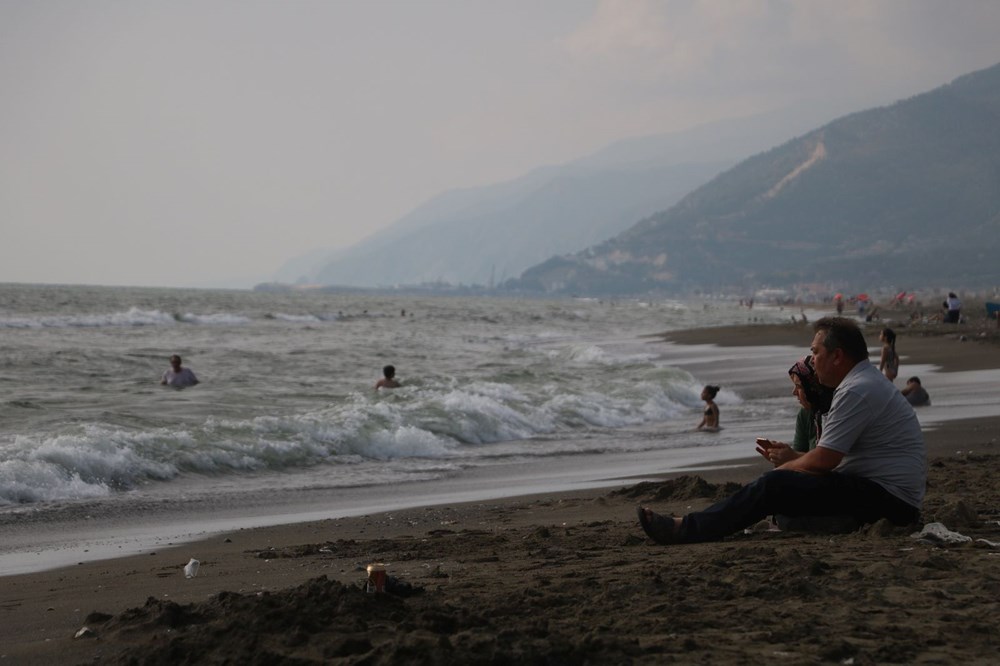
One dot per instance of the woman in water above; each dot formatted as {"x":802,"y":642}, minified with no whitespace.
{"x":889,"y":363}
{"x":814,"y":401}
{"x":710,"y":419}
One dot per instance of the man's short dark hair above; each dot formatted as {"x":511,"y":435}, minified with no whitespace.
{"x":915,"y":380}
{"x":843,"y":333}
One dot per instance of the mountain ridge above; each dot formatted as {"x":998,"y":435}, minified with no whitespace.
{"x":863,"y":199}
{"x":470,"y":235}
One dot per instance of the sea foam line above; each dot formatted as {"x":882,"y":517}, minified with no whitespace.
{"x":131,"y":317}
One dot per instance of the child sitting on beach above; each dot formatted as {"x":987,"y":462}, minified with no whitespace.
{"x":915,"y":393}
{"x":710,"y":419}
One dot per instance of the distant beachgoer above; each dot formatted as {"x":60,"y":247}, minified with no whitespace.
{"x":710,"y":419}
{"x":870,"y":462}
{"x":388,"y":378}
{"x":915,"y":393}
{"x":177,"y":376}
{"x":889,"y":363}
{"x":953,"y":307}
{"x":814,"y":401}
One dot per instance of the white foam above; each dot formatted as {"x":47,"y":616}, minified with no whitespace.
{"x":297,"y":319}
{"x":218,"y":319}
{"x":25,"y":481}
{"x":131,"y":317}
{"x":407,"y":442}
{"x":585,"y":354}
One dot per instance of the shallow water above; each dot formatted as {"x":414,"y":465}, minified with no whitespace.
{"x":286,"y":398}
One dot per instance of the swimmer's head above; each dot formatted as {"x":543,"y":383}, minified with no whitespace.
{"x":389,"y":371}
{"x":709,"y":392}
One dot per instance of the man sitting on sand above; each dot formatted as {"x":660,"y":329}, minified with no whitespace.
{"x":870,"y":461}
{"x":388,"y":378}
{"x":915,"y":393}
{"x":177,"y":376}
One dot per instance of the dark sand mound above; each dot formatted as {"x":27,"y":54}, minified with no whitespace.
{"x":685,"y":487}
{"x":600,"y":593}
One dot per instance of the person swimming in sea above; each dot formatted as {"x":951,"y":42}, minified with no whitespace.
{"x":388,"y":378}
{"x":710,"y":417}
{"x":177,"y":376}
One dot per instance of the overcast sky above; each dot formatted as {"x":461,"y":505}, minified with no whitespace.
{"x":197,"y":142}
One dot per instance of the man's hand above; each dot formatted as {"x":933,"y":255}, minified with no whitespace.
{"x":777,"y":453}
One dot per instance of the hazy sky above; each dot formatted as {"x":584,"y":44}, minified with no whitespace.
{"x":194,"y":142}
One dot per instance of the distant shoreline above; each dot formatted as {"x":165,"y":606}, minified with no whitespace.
{"x":940,"y":344}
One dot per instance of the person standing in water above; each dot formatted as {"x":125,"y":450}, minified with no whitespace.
{"x":953,"y":308}
{"x":710,"y":418}
{"x":889,"y":362}
{"x":388,"y":378}
{"x":177,"y":376}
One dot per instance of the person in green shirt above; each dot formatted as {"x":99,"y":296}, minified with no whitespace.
{"x":814,"y":400}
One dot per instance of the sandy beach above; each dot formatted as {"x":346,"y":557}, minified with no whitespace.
{"x":559,"y":577}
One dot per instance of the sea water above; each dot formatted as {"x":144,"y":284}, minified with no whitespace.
{"x":287,"y":403}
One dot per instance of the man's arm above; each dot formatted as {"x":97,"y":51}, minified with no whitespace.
{"x":818,"y":461}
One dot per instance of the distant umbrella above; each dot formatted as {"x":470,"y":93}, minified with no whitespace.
{"x":862,"y":297}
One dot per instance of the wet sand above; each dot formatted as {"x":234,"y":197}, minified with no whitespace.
{"x":555,"y":577}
